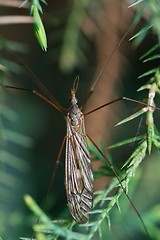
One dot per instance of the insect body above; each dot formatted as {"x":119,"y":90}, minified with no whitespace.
{"x":79,"y":176}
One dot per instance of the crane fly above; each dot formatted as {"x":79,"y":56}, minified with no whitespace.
{"x":78,"y":170}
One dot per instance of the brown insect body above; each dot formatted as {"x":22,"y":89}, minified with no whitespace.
{"x":78,"y":172}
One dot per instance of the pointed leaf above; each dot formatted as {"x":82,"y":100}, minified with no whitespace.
{"x":96,"y":211}
{"x":139,"y":149}
{"x":157,"y":56}
{"x":146,"y":86}
{"x":108,"y":221}
{"x":39,"y":28}
{"x":135,"y":3}
{"x":100,"y":231}
{"x":127,"y":141}
{"x":131,"y":117}
{"x":48,"y":224}
{"x":143,"y":30}
{"x":155,"y":47}
{"x":118,"y":206}
{"x":156,"y":143}
{"x":154,"y":70}
{"x":138,"y":155}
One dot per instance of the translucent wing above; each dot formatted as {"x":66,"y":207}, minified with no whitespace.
{"x":79,"y":177}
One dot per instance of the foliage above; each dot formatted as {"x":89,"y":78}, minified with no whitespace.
{"x":12,"y":164}
{"x":38,"y":25}
{"x":111,"y":195}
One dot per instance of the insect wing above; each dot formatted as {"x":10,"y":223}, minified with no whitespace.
{"x":79,"y":176}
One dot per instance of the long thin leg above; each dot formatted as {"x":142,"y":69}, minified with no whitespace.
{"x":124,"y":190}
{"x":54,"y":172}
{"x":52,"y":178}
{"x":59,"y":109}
{"x":119,"y":99}
{"x":34,"y":78}
{"x":48,"y":101}
{"x":104,"y":68}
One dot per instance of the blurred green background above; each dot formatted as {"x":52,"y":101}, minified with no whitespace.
{"x":81,"y":36}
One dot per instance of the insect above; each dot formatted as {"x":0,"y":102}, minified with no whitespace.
{"x":78,"y":173}
{"x":80,"y":202}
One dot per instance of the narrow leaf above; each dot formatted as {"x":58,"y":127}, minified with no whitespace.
{"x":139,"y":149}
{"x":49,"y":224}
{"x":108,"y":221}
{"x":154,"y":70}
{"x":143,"y":30}
{"x":138,"y":155}
{"x":100,"y":232}
{"x":156,"y":144}
{"x":135,"y":3}
{"x":118,"y":206}
{"x":155,"y":47}
{"x":127,"y":141}
{"x":157,"y":56}
{"x":147,"y":86}
{"x":131,"y":117}
{"x":39,"y":28}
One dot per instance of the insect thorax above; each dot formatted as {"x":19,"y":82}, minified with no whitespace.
{"x":74,"y":115}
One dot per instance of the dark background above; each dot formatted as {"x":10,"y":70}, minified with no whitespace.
{"x":40,"y":128}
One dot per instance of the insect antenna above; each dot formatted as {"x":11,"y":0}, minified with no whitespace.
{"x":75,"y":84}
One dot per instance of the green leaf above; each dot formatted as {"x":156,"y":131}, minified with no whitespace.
{"x":39,"y":28}
{"x":157,"y":56}
{"x":144,"y":87}
{"x":131,"y":161}
{"x":156,"y":143}
{"x":142,"y":31}
{"x":138,"y":155}
{"x":155,"y":47}
{"x":108,"y":221}
{"x":135,"y":3}
{"x":131,"y":117}
{"x":127,"y":141}
{"x":48,"y":225}
{"x":100,"y":232}
{"x":152,"y":71}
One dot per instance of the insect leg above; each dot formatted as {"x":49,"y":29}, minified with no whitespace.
{"x":54,"y":172}
{"x":52,"y":179}
{"x":124,"y":190}
{"x":117,"y":100}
